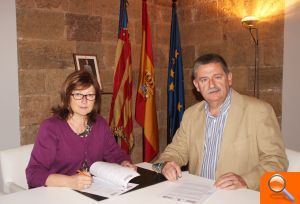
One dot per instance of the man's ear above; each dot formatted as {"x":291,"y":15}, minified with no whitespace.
{"x":196,"y":85}
{"x":229,"y":78}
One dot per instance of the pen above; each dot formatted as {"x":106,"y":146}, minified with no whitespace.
{"x":84,"y":173}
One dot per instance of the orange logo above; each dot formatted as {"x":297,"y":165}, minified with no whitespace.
{"x":280,"y":188}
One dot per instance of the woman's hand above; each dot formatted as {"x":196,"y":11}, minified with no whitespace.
{"x":77,"y":181}
{"x":129,"y":165}
{"x":80,"y":181}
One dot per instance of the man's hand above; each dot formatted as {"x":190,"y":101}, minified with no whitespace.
{"x":171,"y":171}
{"x":230,"y":181}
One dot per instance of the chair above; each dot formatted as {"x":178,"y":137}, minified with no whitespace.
{"x":294,"y":160}
{"x":13,"y":163}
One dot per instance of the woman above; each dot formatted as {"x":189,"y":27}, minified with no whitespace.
{"x":73,"y":138}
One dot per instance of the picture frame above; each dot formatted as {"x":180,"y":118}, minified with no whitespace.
{"x":88,"y":62}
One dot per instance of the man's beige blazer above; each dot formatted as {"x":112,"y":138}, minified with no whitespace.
{"x":251,"y":143}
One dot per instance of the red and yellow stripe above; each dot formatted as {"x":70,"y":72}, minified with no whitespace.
{"x":145,"y":110}
{"x":120,"y":118}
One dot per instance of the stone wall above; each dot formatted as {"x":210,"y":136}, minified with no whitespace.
{"x":215,"y":26}
{"x":50,"y":31}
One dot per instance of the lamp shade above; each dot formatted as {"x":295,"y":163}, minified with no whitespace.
{"x":250,"y":21}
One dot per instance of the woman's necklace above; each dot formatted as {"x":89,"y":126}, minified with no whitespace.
{"x":74,"y":126}
{"x":87,"y":131}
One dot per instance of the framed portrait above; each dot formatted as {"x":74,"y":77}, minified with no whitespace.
{"x":89,"y":63}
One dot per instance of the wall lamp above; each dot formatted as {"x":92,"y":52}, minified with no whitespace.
{"x":250,"y":22}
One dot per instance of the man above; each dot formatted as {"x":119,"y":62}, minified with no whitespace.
{"x":229,"y":137}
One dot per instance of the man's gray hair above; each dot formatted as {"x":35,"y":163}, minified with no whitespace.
{"x":207,"y":59}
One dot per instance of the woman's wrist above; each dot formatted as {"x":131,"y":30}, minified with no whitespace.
{"x":125,"y":163}
{"x":128,"y":164}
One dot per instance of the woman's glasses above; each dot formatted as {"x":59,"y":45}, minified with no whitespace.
{"x":79,"y":96}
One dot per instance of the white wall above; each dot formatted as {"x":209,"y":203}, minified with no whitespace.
{"x":291,"y":76}
{"x":9,"y":91}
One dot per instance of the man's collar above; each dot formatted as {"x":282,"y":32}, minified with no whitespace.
{"x":224,"y":106}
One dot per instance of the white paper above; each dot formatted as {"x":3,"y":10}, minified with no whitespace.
{"x":189,"y":190}
{"x":110,"y":179}
{"x":105,"y":189}
{"x":113,"y":173}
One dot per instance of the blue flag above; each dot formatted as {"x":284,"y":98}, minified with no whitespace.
{"x":123,"y":17}
{"x":175,"y":87}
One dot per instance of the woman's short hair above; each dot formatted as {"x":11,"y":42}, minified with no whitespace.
{"x":77,"y":80}
{"x":207,"y":59}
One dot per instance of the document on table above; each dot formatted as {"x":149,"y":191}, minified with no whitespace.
{"x":110,"y":179}
{"x":103,"y":188}
{"x":190,"y":189}
{"x":113,"y":173}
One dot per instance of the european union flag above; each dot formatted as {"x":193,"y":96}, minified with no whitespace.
{"x":123,"y":17}
{"x":175,"y":87}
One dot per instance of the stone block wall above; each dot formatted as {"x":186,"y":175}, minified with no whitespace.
{"x":50,"y":31}
{"x":215,"y":26}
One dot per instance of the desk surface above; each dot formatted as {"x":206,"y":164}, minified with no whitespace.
{"x":148,"y":195}
{"x":46,"y":195}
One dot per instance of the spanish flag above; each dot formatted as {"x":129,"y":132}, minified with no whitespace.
{"x":145,"y":110}
{"x":120,"y":117}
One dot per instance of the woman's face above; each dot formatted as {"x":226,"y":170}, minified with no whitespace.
{"x":82,"y":101}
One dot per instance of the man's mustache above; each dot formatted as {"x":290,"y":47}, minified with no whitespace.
{"x":213,"y":90}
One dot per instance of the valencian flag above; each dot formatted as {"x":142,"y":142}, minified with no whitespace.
{"x":145,"y":110}
{"x":175,"y":87}
{"x":120,"y":117}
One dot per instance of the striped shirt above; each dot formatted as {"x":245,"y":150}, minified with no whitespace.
{"x":213,"y":136}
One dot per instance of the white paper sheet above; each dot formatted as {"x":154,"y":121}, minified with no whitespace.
{"x":113,"y":173}
{"x":103,"y":188}
{"x":189,"y":190}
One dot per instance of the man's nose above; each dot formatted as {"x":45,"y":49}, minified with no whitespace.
{"x":211,"y":83}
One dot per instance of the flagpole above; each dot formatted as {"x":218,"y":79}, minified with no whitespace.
{"x":174,"y":3}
